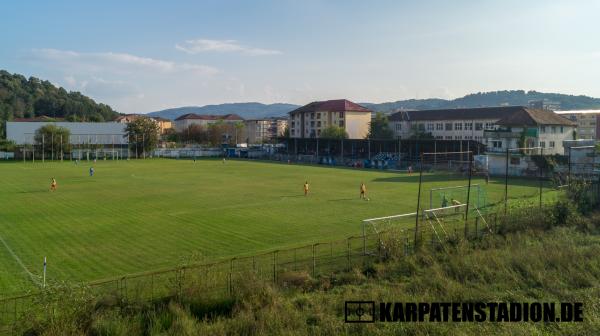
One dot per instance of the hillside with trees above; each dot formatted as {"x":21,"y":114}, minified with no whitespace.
{"x":22,"y":97}
{"x":494,"y":98}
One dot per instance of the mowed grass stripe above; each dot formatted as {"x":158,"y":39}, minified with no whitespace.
{"x":135,"y":216}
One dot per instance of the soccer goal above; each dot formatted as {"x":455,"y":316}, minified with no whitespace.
{"x":378,"y":225}
{"x":444,"y":196}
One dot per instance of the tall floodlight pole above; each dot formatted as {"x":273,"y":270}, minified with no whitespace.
{"x":52,"y":148}
{"x":418,"y":201}
{"x":144,"y":145}
{"x":43,"y":136}
{"x":61,"y":148}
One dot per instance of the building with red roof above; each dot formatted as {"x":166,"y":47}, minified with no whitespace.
{"x":187,"y":120}
{"x":309,"y":120}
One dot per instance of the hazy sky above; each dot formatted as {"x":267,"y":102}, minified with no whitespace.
{"x":142,"y":56}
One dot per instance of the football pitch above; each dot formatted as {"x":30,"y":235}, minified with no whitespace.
{"x":136,"y":216}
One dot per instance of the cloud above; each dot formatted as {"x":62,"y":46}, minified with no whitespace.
{"x":117,"y":62}
{"x":206,"y":45}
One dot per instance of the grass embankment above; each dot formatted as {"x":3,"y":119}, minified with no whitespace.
{"x":543,"y":256}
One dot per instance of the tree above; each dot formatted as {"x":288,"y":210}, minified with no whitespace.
{"x":238,"y":129}
{"x":420,"y":133}
{"x":194,"y":134}
{"x":379,"y":128}
{"x":334,"y":132}
{"x":53,"y":140}
{"x":143,"y":134}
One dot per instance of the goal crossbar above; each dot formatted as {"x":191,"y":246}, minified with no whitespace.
{"x":389,"y":217}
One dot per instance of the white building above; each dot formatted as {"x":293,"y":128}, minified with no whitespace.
{"x":101,"y":133}
{"x":588,"y":122}
{"x":448,"y":124}
{"x":183,"y":122}
{"x":525,"y":127}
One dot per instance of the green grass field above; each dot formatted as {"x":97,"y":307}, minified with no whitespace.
{"x":136,"y":216}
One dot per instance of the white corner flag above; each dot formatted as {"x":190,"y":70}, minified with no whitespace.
{"x":44,"y":285}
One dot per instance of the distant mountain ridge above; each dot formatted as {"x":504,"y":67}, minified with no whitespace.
{"x":480,"y":99}
{"x":490,"y":99}
{"x":245,"y":110}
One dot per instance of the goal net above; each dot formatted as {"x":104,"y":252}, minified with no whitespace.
{"x":445,"y":196}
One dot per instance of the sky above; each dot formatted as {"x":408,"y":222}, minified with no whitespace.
{"x":144,"y":56}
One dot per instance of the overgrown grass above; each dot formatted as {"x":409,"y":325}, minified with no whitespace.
{"x":544,"y":256}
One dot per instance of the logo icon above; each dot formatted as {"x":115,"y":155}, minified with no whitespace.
{"x":359,"y":312}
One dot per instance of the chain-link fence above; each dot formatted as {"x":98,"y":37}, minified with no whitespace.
{"x":219,"y":279}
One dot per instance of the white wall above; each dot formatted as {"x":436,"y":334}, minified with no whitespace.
{"x":81,"y":132}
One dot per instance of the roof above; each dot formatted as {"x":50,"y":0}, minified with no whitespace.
{"x":455,"y":114}
{"x":502,"y":115}
{"x":38,"y":119}
{"x":210,"y":117}
{"x":161,"y":119}
{"x":534,"y":117}
{"x":336,"y":105}
{"x":578,"y":112}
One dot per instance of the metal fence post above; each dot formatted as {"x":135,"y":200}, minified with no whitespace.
{"x":314,"y":261}
{"x":274,"y":267}
{"x":231,"y":276}
{"x":348,"y":253}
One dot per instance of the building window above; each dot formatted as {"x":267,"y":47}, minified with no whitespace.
{"x":496,"y":144}
{"x":478,"y":126}
{"x":398,"y":126}
{"x":430,"y":127}
{"x":318,"y":115}
{"x":293,"y":123}
{"x":318,"y":123}
{"x":293,"y":131}
{"x":468,"y":126}
{"x":543,"y":144}
{"x":562,"y":129}
{"x":448,"y":137}
{"x":458,"y":126}
{"x":312,"y":124}
{"x":312,"y":115}
{"x":448,"y":126}
{"x":421,"y":127}
{"x":341,"y":114}
{"x":439,"y":126}
{"x":552,"y":144}
{"x":515,"y":161}
{"x":553,"y":129}
{"x":542,"y":129}
{"x":439,"y":137}
{"x":319,"y":132}
{"x":489,"y":126}
{"x":457,"y":137}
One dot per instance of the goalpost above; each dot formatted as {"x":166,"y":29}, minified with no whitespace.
{"x":382,"y":224}
{"x":446,"y":194}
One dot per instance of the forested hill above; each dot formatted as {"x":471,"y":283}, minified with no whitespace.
{"x":26,"y":98}
{"x":494,"y":98}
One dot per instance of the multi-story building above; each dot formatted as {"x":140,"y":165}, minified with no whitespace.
{"x":309,"y":120}
{"x":527,"y":127}
{"x":127,"y":118}
{"x":448,"y":124}
{"x":544,"y":104}
{"x":588,"y":122}
{"x":163,"y":124}
{"x":187,"y":120}
{"x":264,"y":130}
